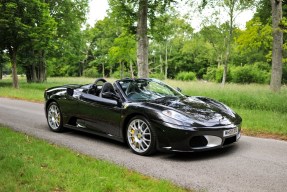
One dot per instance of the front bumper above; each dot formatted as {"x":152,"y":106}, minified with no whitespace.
{"x":184,"y":139}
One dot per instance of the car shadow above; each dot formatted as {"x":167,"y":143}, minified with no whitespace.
{"x":95,"y":137}
{"x":171,"y":156}
{"x":199,"y":156}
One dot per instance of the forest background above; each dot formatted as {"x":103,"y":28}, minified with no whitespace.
{"x":51,"y":38}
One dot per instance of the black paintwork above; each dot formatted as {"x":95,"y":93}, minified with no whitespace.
{"x":83,"y":110}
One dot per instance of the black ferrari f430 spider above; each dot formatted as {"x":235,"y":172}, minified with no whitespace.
{"x":145,"y":113}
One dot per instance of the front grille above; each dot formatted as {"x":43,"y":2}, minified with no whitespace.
{"x":229,"y":140}
{"x":198,"y":141}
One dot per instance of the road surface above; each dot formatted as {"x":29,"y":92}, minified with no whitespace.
{"x":253,"y":164}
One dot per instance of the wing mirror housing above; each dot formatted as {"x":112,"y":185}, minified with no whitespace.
{"x":178,"y":89}
{"x":70,"y":91}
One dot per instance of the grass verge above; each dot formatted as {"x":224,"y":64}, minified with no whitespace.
{"x":29,"y":164}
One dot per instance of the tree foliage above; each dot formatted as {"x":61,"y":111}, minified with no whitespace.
{"x":49,"y":38}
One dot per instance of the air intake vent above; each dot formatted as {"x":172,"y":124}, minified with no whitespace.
{"x":198,"y":141}
{"x":229,"y":140}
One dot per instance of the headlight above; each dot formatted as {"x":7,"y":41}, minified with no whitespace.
{"x":177,"y":116}
{"x":229,"y":110}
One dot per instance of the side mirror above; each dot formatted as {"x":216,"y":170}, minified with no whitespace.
{"x":70,"y":91}
{"x":178,"y":89}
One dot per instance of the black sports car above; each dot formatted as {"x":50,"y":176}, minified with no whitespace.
{"x":146,"y":113}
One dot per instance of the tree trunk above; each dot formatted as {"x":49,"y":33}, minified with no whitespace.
{"x":103,"y":70}
{"x":33,"y":73}
{"x":131,"y":69}
{"x":111,"y":71}
{"x":161,"y":64}
{"x":13,"y":57}
{"x":121,"y":66}
{"x":1,"y":71}
{"x":276,"y":75}
{"x":142,"y":40}
{"x":166,"y":64}
{"x":42,"y":67}
{"x":229,"y":40}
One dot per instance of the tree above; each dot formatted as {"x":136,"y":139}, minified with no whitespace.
{"x":139,"y":11}
{"x":215,"y":36}
{"x":277,"y":48}
{"x":68,"y":50}
{"x":142,"y":49}
{"x":169,"y":32}
{"x":24,"y":24}
{"x":124,"y":50}
{"x":254,"y":43}
{"x":3,"y":61}
{"x":102,"y":39}
{"x":232,"y":8}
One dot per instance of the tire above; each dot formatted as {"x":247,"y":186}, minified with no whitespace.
{"x":54,"y":117}
{"x":141,"y":137}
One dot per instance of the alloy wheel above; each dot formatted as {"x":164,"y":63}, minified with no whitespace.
{"x":139,"y":136}
{"x":54,"y":117}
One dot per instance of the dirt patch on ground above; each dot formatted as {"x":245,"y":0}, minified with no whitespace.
{"x":265,"y":135}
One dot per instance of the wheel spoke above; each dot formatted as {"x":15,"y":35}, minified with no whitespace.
{"x":54,"y":117}
{"x":139,"y":135}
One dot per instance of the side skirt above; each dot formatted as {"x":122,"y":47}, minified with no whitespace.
{"x":94,"y":133}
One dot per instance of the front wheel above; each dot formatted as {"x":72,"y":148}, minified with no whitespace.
{"x":54,"y":117}
{"x":141,"y":137}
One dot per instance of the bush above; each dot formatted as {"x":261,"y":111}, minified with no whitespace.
{"x":219,"y":75}
{"x":263,"y":66}
{"x":91,"y":72}
{"x":186,"y":76}
{"x":249,"y":74}
{"x":117,"y":74}
{"x":210,"y":74}
{"x":157,"y":76}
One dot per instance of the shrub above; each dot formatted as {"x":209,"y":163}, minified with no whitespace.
{"x":219,"y":74}
{"x":262,"y":66}
{"x":117,"y":74}
{"x":249,"y":74}
{"x":210,"y":74}
{"x":91,"y":72}
{"x":186,"y":76}
{"x":157,"y":76}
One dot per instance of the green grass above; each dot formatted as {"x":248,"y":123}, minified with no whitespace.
{"x":29,"y":164}
{"x":263,"y":111}
{"x":35,"y":91}
{"x":249,"y":96}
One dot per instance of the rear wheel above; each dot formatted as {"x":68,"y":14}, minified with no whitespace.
{"x":141,"y":137}
{"x":54,"y":117}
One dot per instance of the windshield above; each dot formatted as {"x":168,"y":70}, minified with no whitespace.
{"x":147,"y":89}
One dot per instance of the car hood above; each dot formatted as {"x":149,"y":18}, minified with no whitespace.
{"x":202,"y":110}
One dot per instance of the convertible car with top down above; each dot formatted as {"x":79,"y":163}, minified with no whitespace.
{"x":145,"y":113}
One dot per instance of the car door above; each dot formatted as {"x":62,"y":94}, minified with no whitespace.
{"x":100,"y":114}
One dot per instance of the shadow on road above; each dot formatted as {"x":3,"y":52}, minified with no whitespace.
{"x":205,"y":155}
{"x":96,"y":138}
{"x":171,"y":156}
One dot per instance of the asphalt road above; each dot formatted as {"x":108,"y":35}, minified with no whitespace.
{"x":253,"y":164}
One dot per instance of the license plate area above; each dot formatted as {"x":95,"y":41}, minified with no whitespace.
{"x":230,"y":132}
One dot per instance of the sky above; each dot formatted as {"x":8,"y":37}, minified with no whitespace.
{"x":98,"y":10}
